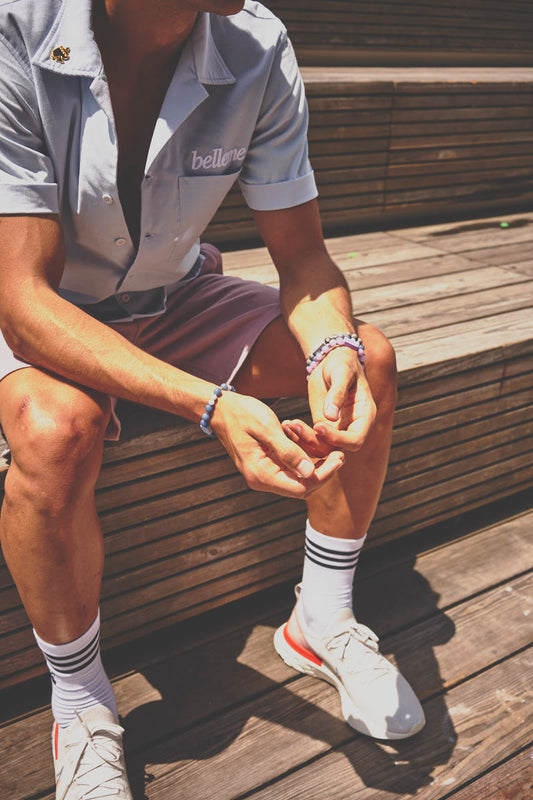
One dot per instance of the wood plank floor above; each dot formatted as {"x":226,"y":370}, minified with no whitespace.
{"x":211,"y":711}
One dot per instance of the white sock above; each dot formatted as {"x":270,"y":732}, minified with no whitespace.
{"x":78,"y":676}
{"x":327,"y":581}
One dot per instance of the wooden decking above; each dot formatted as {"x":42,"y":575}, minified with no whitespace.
{"x":212,"y":713}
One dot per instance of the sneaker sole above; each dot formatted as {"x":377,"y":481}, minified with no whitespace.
{"x":313,"y":666}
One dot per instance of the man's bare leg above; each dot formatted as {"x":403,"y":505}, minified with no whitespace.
{"x":322,"y":637}
{"x":345,"y":506}
{"x":53,"y":546}
{"x":51,"y":537}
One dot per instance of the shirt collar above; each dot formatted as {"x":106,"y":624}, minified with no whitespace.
{"x":209,"y":64}
{"x":72,"y":29}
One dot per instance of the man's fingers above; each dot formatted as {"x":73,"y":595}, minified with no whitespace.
{"x":273,"y":478}
{"x":342,"y":380}
{"x":290,"y":455}
{"x":301,"y":433}
{"x":326,"y":468}
{"x":350,"y":439}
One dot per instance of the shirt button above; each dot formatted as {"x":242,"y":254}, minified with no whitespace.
{"x":120,"y":242}
{"x":108,"y":200}
{"x":125,"y":298}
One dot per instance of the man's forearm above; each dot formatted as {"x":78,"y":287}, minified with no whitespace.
{"x":315,"y":301}
{"x":49,"y":332}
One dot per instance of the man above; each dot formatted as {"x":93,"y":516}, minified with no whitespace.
{"x":123,"y":123}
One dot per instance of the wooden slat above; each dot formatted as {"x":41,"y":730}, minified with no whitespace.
{"x":467,"y":435}
{"x":496,"y":371}
{"x":416,"y":80}
{"x":488,"y":489}
{"x":522,"y":464}
{"x":440,"y":155}
{"x":470,"y":403}
{"x":454,"y":461}
{"x":439,"y":351}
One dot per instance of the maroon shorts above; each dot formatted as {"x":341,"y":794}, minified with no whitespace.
{"x":208,"y":328}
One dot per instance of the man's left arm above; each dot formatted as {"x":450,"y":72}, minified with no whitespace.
{"x":315,"y":303}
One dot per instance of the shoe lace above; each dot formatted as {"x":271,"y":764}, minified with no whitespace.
{"x":364,"y":660}
{"x":99,"y":763}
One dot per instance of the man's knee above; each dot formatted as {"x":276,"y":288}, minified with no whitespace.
{"x":381,"y":368}
{"x":57,"y":433}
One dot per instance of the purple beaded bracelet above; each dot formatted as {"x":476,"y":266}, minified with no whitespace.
{"x":330,"y":343}
{"x":210,"y":407}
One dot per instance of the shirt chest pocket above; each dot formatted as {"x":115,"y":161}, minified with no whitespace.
{"x":199,"y":198}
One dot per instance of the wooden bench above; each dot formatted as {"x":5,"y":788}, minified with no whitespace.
{"x":396,"y":145}
{"x":393,"y":32}
{"x":183,"y":533}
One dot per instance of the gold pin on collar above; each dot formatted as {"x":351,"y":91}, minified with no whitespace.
{"x":60,"y":54}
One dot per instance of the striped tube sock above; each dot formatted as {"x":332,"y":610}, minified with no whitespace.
{"x":78,"y":676}
{"x":327,"y":581}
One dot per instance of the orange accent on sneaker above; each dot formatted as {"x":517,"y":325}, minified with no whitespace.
{"x":56,"y":740}
{"x":301,"y":650}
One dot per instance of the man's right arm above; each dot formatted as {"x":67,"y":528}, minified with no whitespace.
{"x":49,"y":332}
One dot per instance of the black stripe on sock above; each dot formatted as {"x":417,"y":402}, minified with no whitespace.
{"x":308,"y":540}
{"x":77,"y":669}
{"x":66,"y":666}
{"x":77,"y":653}
{"x":331,"y":562}
{"x":328,"y":566}
{"x":345,"y":558}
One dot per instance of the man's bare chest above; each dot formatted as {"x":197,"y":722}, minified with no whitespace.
{"x":136,"y":109}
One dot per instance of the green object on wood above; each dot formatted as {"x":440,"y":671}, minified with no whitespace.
{"x":504,"y":224}
{"x":352,"y":255}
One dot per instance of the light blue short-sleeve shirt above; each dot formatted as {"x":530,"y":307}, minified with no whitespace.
{"x":235,"y":109}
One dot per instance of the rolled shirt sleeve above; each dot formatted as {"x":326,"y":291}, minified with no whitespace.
{"x":276,"y":173}
{"x":27,"y":182}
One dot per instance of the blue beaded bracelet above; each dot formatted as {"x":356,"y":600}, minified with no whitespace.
{"x":328,"y":344}
{"x":210,"y":407}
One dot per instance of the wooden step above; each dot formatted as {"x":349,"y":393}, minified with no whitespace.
{"x":409,"y":143}
{"x":416,"y":32}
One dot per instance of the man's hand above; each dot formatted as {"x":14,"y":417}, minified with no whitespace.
{"x":263,"y":453}
{"x":341,"y":404}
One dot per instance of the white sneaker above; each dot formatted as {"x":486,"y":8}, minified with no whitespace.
{"x":376,"y":699}
{"x":89,"y":758}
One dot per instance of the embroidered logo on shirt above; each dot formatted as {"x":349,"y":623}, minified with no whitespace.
{"x":60,"y":54}
{"x":217,"y":158}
